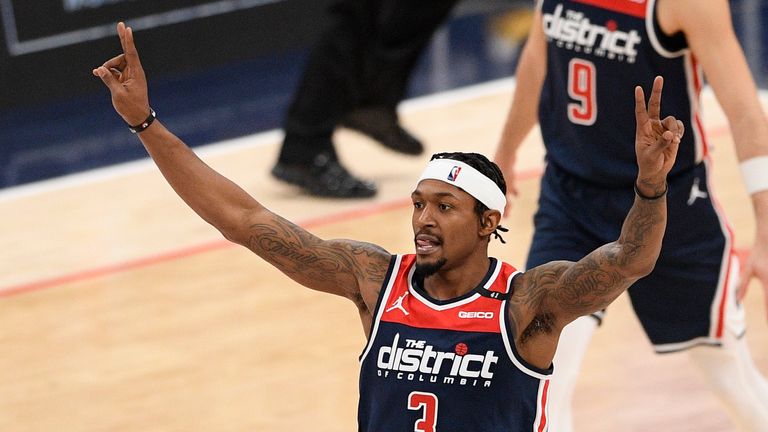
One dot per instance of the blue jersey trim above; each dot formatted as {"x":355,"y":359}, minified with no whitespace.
{"x":542,"y":373}
{"x":673,"y":43}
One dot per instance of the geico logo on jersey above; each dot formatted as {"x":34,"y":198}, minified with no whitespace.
{"x":481,"y":315}
{"x":576,"y":32}
{"x":417,"y":356}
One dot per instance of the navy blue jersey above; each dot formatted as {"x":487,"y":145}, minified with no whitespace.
{"x":597,"y":52}
{"x":433,"y":365}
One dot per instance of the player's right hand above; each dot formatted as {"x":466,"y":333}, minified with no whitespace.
{"x":125,"y":78}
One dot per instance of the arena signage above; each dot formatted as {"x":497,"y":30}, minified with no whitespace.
{"x":39,"y":25}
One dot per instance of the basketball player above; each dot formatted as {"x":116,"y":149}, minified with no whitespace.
{"x":579,"y":54}
{"x":456,"y":340}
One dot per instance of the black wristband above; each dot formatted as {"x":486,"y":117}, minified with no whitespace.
{"x":145,"y":124}
{"x":651,"y":198}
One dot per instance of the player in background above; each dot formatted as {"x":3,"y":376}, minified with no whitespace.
{"x":580,"y":54}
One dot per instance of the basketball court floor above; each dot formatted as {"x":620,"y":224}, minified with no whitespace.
{"x":121,"y":310}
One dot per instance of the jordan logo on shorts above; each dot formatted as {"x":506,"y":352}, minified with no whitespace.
{"x":696,"y":192}
{"x":398,"y":304}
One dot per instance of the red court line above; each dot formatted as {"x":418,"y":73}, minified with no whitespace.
{"x":150,"y":260}
{"x":113,"y":268}
{"x":191,"y":250}
{"x":221,"y":244}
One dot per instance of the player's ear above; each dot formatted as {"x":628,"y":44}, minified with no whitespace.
{"x":489,"y":220}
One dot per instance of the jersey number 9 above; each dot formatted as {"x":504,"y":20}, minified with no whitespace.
{"x":581,"y":89}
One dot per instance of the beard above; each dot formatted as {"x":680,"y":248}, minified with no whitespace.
{"x":426,"y":270}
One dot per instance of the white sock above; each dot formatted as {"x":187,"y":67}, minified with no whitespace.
{"x":571,"y":348}
{"x":735,"y":380}
{"x":730,"y":371}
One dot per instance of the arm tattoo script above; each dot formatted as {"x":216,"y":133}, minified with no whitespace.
{"x":575,"y":289}
{"x":331,"y":266}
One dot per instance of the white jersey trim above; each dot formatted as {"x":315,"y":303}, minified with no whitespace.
{"x":414,"y":292}
{"x":679,"y":346}
{"x":382,"y":305}
{"x":650,"y":17}
{"x":729,"y":272}
{"x":693,"y":74}
{"x":508,"y":344}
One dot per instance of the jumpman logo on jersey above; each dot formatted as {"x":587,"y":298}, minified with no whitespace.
{"x":696,"y":192}
{"x":398,"y":304}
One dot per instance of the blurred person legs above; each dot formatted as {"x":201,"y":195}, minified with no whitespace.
{"x":730,"y":371}
{"x":355,"y":76}
{"x":688,"y":303}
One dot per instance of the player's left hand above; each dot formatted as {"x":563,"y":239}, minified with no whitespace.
{"x":125,"y":78}
{"x":506,"y":163}
{"x":756,"y":266}
{"x":656,"y":140}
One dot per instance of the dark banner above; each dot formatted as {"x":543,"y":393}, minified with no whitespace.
{"x":33,"y":26}
{"x":48,"y":47}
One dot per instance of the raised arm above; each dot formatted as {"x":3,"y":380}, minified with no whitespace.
{"x":523,"y":113}
{"x":343,"y":267}
{"x":558,"y":292}
{"x":709,"y":32}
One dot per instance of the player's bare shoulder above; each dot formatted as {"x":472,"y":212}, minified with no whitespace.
{"x":532,"y":291}
{"x":371,"y":261}
{"x":368,"y":262}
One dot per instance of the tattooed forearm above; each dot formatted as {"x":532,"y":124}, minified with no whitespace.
{"x":641,"y":235}
{"x":591,"y":283}
{"x":575,"y":289}
{"x":596,"y":280}
{"x":643,"y":230}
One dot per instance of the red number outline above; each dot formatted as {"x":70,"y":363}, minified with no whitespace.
{"x":582,"y":88}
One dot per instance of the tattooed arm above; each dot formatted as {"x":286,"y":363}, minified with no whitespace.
{"x":550,"y":296}
{"x":351,"y":269}
{"x":564,"y":290}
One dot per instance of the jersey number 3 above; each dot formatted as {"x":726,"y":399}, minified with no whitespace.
{"x":427,"y":401}
{"x":581,"y":88}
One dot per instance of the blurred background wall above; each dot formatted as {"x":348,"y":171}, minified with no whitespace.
{"x":217,"y":69}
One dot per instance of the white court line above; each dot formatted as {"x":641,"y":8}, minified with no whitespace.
{"x":128,"y":168}
{"x":257,"y":140}
{"x":174,"y":16}
{"x":232,"y":145}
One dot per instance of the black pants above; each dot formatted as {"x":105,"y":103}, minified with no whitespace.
{"x":363,"y":59}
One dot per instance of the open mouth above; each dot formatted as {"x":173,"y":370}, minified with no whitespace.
{"x":426,"y":244}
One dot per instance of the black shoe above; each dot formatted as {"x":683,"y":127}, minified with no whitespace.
{"x":325,"y":177}
{"x":382,"y":125}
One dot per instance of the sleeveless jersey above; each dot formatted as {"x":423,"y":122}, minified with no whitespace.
{"x":597,"y":52}
{"x":445,"y":366}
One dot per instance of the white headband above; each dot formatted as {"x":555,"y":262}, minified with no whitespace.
{"x":472,"y":181}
